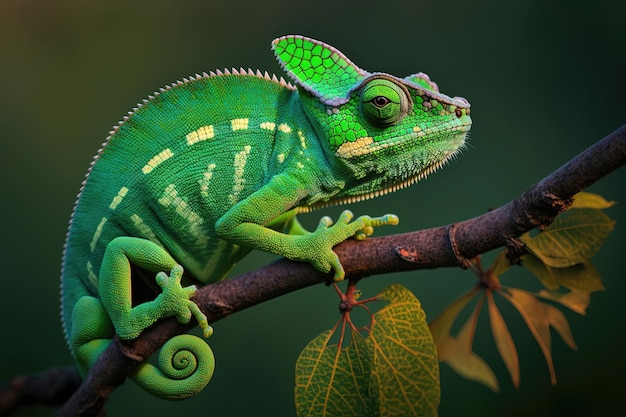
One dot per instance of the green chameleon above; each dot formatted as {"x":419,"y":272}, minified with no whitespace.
{"x":209,"y":168}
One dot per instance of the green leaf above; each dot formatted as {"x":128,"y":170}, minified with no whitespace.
{"x":539,"y":317}
{"x":573,"y":237}
{"x":582,"y":276}
{"x":332,"y":381}
{"x":590,"y":200}
{"x":405,"y":368}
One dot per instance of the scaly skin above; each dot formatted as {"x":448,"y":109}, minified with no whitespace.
{"x":212,"y":167}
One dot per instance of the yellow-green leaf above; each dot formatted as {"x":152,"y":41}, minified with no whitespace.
{"x":500,"y":265}
{"x":441,"y":325}
{"x":332,"y":381}
{"x":503,"y":339}
{"x":457,"y":351}
{"x":590,"y":200}
{"x":573,"y":237}
{"x":405,"y":369}
{"x":576,"y":300}
{"x":458,"y":354}
{"x":582,"y":276}
{"x":539,"y":317}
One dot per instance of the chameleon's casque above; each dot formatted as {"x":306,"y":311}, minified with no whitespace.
{"x":211,"y":167}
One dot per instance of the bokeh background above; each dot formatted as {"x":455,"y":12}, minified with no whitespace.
{"x":546,"y":79}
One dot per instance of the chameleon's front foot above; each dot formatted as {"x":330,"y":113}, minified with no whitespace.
{"x":319,"y":244}
{"x":175,"y":299}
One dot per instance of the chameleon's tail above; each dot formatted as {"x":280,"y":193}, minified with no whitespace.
{"x":186,"y":365}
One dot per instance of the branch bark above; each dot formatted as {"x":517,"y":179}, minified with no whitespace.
{"x":444,"y":246}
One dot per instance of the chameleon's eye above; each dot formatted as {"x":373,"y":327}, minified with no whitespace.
{"x":380,"y":101}
{"x":384,"y":102}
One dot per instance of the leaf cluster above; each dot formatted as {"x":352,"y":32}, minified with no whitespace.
{"x":559,"y":257}
{"x":391,"y":371}
{"x":391,"y":367}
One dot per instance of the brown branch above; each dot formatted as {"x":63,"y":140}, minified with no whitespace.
{"x":438,"y":247}
{"x":50,"y":388}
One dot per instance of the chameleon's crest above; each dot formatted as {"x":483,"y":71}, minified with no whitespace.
{"x":318,"y":68}
{"x":423,"y":80}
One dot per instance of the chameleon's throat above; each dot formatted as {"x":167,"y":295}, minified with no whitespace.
{"x":385,"y":190}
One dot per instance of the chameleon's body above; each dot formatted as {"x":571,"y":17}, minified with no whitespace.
{"x":194,"y":175}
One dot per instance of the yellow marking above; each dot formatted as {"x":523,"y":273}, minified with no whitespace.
{"x":92,"y":275}
{"x":204,"y":133}
{"x":239,"y":166}
{"x":268,"y":125}
{"x":281,"y":158}
{"x":144,"y":230}
{"x":170,"y":198}
{"x":357,"y":148}
{"x":156,"y":160}
{"x":284,"y":128}
{"x":205,"y":180}
{"x":419,"y":131}
{"x":97,"y":234}
{"x":300,"y":165}
{"x":118,"y":198}
{"x":302,"y":139}
{"x":239,"y":124}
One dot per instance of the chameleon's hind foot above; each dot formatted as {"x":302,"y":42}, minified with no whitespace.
{"x":175,"y":299}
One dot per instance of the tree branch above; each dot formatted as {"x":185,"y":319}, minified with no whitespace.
{"x":438,"y":247}
{"x":52,"y":388}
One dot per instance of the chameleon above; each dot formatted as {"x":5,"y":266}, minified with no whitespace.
{"x":211,"y":167}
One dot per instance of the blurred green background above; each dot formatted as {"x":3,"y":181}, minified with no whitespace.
{"x":545,"y":79}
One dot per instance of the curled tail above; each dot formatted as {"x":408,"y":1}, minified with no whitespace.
{"x":186,"y":364}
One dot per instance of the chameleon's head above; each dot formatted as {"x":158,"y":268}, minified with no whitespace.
{"x":388,"y":132}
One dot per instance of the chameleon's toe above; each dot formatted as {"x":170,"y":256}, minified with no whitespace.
{"x":173,"y":279}
{"x":201,"y":318}
{"x":363,"y":233}
{"x":371,"y":222}
{"x":386,"y":220}
{"x":325,"y":222}
{"x":345,"y":217}
{"x":340,"y":273}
